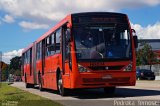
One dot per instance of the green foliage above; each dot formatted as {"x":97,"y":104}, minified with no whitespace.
{"x":15,"y":63}
{"x":15,"y":66}
{"x":5,"y":72}
{"x":145,"y":55}
{"x":17,"y":72}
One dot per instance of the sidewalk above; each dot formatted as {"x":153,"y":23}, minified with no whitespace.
{"x":157,"y":78}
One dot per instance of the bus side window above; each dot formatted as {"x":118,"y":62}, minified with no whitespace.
{"x":47,"y":46}
{"x":28,"y":56}
{"x":25,"y":58}
{"x":52,"y":46}
{"x":67,"y":44}
{"x":50,"y":50}
{"x":38,"y":51}
{"x":58,"y":40}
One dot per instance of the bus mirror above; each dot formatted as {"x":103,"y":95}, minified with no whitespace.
{"x":135,"y":39}
{"x":133,"y":32}
{"x":68,"y":35}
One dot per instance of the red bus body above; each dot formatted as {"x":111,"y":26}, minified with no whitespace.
{"x":109,"y":73}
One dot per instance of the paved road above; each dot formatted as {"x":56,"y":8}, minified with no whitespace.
{"x":144,"y":90}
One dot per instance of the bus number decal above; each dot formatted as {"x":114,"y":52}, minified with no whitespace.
{"x":92,"y":64}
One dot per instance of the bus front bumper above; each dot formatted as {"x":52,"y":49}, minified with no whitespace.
{"x":109,"y":79}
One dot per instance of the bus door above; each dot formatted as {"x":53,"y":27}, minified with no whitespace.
{"x":34,"y":62}
{"x":66,"y":51}
{"x":43,"y":56}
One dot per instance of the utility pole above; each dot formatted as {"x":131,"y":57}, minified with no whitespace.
{"x":0,"y":67}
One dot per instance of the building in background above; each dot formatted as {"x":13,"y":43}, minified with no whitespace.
{"x":155,"y":44}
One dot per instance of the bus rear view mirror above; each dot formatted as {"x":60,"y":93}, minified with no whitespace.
{"x":135,"y":41}
{"x":135,"y":38}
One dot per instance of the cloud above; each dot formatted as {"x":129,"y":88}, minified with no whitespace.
{"x":32,"y":25}
{"x":8,"y":19}
{"x":9,"y":55}
{"x":40,"y":14}
{"x":47,"y":11}
{"x":149,"y":32}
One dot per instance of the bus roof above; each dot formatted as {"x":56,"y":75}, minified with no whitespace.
{"x":97,"y":13}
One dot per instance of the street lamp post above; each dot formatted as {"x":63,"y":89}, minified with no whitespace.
{"x":0,"y":67}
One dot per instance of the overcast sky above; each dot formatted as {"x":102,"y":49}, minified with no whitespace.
{"x":23,"y":21}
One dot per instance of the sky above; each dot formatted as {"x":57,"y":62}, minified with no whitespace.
{"x":23,"y":21}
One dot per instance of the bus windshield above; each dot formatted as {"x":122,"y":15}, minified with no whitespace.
{"x":102,"y":41}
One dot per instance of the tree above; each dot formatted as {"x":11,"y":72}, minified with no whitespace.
{"x":145,"y":55}
{"x":15,"y":65}
{"x":4,"y":70}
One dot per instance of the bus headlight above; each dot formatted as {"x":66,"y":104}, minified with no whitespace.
{"x":128,"y":68}
{"x":82,"y":69}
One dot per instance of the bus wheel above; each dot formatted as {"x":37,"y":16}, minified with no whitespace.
{"x":110,"y":90}
{"x":29,"y":85}
{"x":40,"y":83}
{"x":61,"y":89}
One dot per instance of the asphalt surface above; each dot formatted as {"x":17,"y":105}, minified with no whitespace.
{"x":143,"y":91}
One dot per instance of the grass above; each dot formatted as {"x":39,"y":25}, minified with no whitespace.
{"x":16,"y":97}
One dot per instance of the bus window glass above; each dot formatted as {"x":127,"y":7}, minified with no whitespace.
{"x":39,"y":51}
{"x":50,"y":49}
{"x":52,"y":37}
{"x":58,"y":40}
{"x":102,"y":41}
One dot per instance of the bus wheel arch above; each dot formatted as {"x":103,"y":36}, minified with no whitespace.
{"x":62,"y":91}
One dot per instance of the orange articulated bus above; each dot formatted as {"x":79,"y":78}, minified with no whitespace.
{"x":84,"y":50}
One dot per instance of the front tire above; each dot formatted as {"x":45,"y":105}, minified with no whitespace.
{"x":61,"y":89}
{"x":110,"y":91}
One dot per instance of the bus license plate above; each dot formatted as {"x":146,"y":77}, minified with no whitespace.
{"x":107,"y":77}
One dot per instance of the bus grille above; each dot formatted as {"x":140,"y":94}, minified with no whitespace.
{"x":100,"y":80}
{"x":106,"y":67}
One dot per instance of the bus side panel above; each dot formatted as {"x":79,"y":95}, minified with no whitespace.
{"x":58,"y":64}
{"x":54,"y":65}
{"x":29,"y":77}
{"x":51,"y":65}
{"x":46,"y":72}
